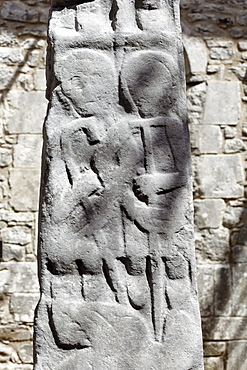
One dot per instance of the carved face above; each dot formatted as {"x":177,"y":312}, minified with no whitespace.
{"x":148,"y":83}
{"x":88,"y":81}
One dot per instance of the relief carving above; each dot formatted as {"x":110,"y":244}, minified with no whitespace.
{"x":116,"y":245}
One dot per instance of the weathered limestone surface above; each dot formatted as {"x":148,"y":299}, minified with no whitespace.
{"x":214,"y":25}
{"x":117,"y":267}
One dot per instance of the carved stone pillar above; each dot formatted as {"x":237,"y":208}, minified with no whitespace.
{"x":116,"y":253}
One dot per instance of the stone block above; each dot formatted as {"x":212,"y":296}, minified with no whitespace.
{"x":242,"y":45}
{"x":26,"y":81}
{"x":234,"y":146}
{"x":5,"y":315}
{"x":39,"y":30}
{"x":33,"y":43}
{"x":18,"y":277}
{"x":26,"y":353}
{"x":43,"y":16}
{"x":224,"y":328}
{"x":19,"y":217}
{"x":27,"y":153}
{"x":240,"y":72}
{"x":13,"y":252}
{"x":24,"y":189}
{"x":214,"y":349}
{"x":236,"y":356}
{"x":229,"y":132}
{"x":222,"y":104}
{"x":206,"y":139}
{"x":234,"y":216}
{"x":239,"y":253}
{"x":22,"y":306}
{"x":16,"y":367}
{"x":7,"y":37}
{"x":6,"y":76}
{"x":211,"y":68}
{"x":237,"y":32}
{"x":39,"y":80}
{"x":33,"y":58}
{"x":239,"y":288}
{"x":212,"y":245}
{"x":195,"y":100}
{"x":220,"y":176}
{"x":208,"y":213}
{"x":219,"y":43}
{"x":197,"y":54}
{"x":117,"y":258}
{"x":5,"y":157}
{"x":242,"y":17}
{"x":17,"y":11}
{"x":205,"y":281}
{"x":21,"y":235}
{"x":242,"y":235}
{"x":222,"y":291}
{"x":244,"y":56}
{"x":11,"y":56}
{"x":213,"y":363}
{"x":15,"y":333}
{"x":30,"y":108}
{"x":7,"y":353}
{"x":221,"y":53}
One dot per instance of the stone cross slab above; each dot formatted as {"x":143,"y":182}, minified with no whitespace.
{"x":116,"y":253}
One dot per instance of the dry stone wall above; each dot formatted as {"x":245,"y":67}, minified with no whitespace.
{"x":215,"y":39}
{"x":216,"y":46}
{"x":23,"y":27}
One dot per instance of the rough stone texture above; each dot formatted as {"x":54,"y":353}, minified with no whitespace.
{"x":236,"y":356}
{"x":234,"y":146}
{"x":214,"y":348}
{"x":229,"y":132}
{"x":218,"y":100}
{"x":205,"y":278}
{"x":239,"y":282}
{"x":196,"y":54}
{"x":18,"y":278}
{"x":22,"y":110}
{"x":239,"y":253}
{"x":116,"y":241}
{"x":209,"y":213}
{"x":235,"y":216}
{"x":206,"y":139}
{"x":22,"y":306}
{"x":14,"y":10}
{"x":225,"y":328}
{"x":27,"y":153}
{"x":5,"y":157}
{"x":212,"y":245}
{"x":30,"y":120}
{"x":223,"y":291}
{"x":215,"y":25}
{"x":223,"y":96}
{"x":26,"y":353}
{"x":16,"y":235}
{"x":213,"y":363}
{"x":220,"y":176}
{"x":24,"y":198}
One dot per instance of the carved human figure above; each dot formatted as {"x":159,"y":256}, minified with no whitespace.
{"x":116,"y":266}
{"x":107,"y":195}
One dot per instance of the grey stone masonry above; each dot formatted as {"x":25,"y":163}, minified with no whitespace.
{"x":217,"y":98}
{"x":117,"y":266}
{"x":23,"y":29}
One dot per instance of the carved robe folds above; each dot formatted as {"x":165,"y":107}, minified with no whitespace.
{"x":117,"y":268}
